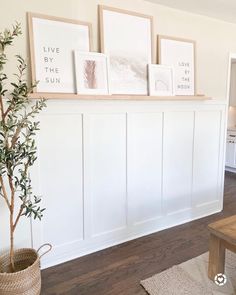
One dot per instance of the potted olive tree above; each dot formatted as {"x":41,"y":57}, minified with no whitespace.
{"x":19,"y":269}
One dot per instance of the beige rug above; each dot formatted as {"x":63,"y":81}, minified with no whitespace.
{"x":190,"y":277}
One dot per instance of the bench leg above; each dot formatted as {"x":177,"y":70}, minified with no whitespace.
{"x":216,"y":257}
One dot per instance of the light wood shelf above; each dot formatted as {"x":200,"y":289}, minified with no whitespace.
{"x":59,"y":96}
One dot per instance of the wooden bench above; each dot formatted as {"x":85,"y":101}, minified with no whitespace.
{"x":222,"y":236}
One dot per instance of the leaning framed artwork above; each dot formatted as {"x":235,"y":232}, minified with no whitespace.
{"x":181,"y":54}
{"x":91,"y":73}
{"x":52,"y":44}
{"x":127,"y":38}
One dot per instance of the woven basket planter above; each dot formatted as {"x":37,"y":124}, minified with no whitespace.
{"x":27,"y":278}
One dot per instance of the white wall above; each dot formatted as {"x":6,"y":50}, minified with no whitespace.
{"x":214,"y":38}
{"x":110,"y":171}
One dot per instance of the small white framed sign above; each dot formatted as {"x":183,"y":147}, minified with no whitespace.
{"x":52,"y":44}
{"x":161,"y":80}
{"x":91,"y":73}
{"x":179,"y":53}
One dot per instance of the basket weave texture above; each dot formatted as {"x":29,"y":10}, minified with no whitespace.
{"x":27,"y":279}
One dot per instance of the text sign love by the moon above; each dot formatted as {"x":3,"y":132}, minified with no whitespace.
{"x":52,"y":43}
{"x":180,"y":54}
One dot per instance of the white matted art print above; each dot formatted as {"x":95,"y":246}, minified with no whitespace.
{"x":126,"y":37}
{"x":179,"y":53}
{"x":161,"y":80}
{"x":52,"y":44}
{"x":91,"y":73}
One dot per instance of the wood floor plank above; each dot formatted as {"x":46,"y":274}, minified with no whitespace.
{"x":118,"y":270}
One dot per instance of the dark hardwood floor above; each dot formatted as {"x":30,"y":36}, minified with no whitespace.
{"x":118,"y":270}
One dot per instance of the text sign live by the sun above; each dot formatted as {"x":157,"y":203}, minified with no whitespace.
{"x":51,"y":68}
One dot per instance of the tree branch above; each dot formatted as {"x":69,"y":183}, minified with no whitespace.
{"x":20,"y":126}
{"x":6,"y":112}
{"x":5,"y":193}
{"x":12,"y":191}
{"x":16,"y":135}
{"x":22,"y":206}
{"x":3,"y":118}
{"x":2,"y":109}
{"x":18,"y":216}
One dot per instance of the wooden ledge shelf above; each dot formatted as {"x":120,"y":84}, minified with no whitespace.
{"x":59,"y":96}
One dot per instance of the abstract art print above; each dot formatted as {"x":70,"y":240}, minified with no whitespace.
{"x":91,"y":73}
{"x":52,"y":44}
{"x":126,"y":37}
{"x":161,"y":80}
{"x":179,"y":53}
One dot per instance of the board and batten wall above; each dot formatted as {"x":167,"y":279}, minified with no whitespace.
{"x":112,"y":171}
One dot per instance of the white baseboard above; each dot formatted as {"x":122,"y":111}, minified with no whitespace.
{"x":80,"y":248}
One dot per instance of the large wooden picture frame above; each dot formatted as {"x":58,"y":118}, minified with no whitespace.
{"x":52,"y":44}
{"x":181,"y":55}
{"x":127,"y":38}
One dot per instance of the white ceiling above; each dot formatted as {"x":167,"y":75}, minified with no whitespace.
{"x":220,"y":9}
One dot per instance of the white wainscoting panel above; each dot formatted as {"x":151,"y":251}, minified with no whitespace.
{"x":177,"y":161}
{"x":60,"y":154}
{"x":144,"y":166}
{"x":207,"y":157}
{"x":105,"y":173}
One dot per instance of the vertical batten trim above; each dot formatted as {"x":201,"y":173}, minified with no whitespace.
{"x":163,"y":209}
{"x":192,"y":204}
{"x":221,"y":160}
{"x":82,"y":170}
{"x":37,"y":226}
{"x":86,"y":194}
{"x":126,"y":172}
